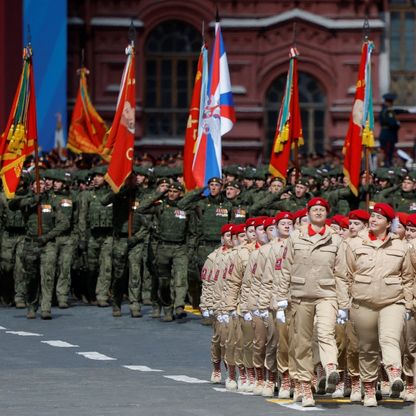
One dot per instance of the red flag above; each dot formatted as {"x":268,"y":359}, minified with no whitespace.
{"x":353,"y":140}
{"x":119,"y":147}
{"x":87,"y":129}
{"x":192,"y":126}
{"x":20,"y":137}
{"x":289,"y":124}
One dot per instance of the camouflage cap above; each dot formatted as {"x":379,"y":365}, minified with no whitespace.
{"x":178,"y":186}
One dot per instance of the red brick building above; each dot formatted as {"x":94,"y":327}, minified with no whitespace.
{"x":257,"y":36}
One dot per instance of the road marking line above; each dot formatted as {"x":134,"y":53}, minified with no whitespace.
{"x":24,"y":333}
{"x":223,"y":390}
{"x":2,"y":327}
{"x":187,"y":379}
{"x":143,"y":368}
{"x":60,"y":344}
{"x":94,"y":355}
{"x":296,"y":406}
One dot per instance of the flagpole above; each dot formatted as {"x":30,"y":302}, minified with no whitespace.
{"x":37,"y":175}
{"x":296,"y":147}
{"x":366,"y":34}
{"x":132,"y":37}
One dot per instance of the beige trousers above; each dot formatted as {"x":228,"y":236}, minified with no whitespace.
{"x":217,"y":341}
{"x":247,"y":344}
{"x":234,"y":337}
{"x":259,"y":341}
{"x":272,"y":341}
{"x":352,"y":350}
{"x":409,"y":347}
{"x":378,"y":327}
{"x":304,"y":313}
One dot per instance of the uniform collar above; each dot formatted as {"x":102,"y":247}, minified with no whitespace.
{"x":312,"y":232}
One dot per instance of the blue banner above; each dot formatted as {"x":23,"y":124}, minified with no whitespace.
{"x":48,"y":28}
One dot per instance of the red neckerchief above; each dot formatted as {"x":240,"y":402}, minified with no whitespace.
{"x":312,"y":232}
{"x":257,"y":245}
{"x":372,"y":237}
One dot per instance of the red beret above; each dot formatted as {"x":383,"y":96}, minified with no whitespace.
{"x":259,"y":221}
{"x":226,"y":227}
{"x":301,"y":213}
{"x":384,"y":209}
{"x":318,"y":201}
{"x":411,"y":220}
{"x":359,"y":214}
{"x":283,"y":216}
{"x":402,"y":216}
{"x":238,"y":228}
{"x":340,"y":220}
{"x":269,"y":221}
{"x":250,"y":221}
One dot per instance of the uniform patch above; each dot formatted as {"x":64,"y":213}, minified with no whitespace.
{"x":221,"y":212}
{"x":254,"y":268}
{"x":180,"y":214}
{"x":231,"y":268}
{"x":203,"y":274}
{"x":46,"y":208}
{"x":278,"y":264}
{"x":66,"y":203}
{"x":217,"y":273}
{"x":224,"y":274}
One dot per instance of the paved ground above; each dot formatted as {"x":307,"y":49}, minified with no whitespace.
{"x":76,"y":365}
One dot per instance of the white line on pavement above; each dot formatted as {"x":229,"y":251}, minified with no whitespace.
{"x":93,"y":355}
{"x":60,"y":344}
{"x":2,"y":327}
{"x":296,"y":406}
{"x":143,"y":368}
{"x":187,"y":379}
{"x":24,"y":333}
{"x":223,"y":390}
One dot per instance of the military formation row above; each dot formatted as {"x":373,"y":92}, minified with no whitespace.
{"x":305,"y":305}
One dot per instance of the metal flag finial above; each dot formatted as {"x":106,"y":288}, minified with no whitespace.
{"x":132,"y":31}
{"x":366,"y":29}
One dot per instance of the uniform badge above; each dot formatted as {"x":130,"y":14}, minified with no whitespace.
{"x":180,"y":214}
{"x":239,"y":213}
{"x":278,"y":264}
{"x":231,"y":268}
{"x":217,"y":273}
{"x":203,"y":273}
{"x":46,"y":208}
{"x":66,"y":203}
{"x":254,"y":268}
{"x":221,"y":212}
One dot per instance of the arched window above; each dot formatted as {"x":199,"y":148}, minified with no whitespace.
{"x":171,"y":56}
{"x":312,"y":102}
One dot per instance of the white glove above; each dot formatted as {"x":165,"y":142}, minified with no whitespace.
{"x":205,"y":314}
{"x":264,"y":314}
{"x":342,"y":316}
{"x":248,"y":317}
{"x":280,"y":317}
{"x":282,"y":305}
{"x":226,"y":319}
{"x":211,"y":312}
{"x":256,"y":313}
{"x":233,"y":314}
{"x":409,"y":315}
{"x":220,"y":319}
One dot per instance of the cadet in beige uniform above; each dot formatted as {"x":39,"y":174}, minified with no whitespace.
{"x":277,"y":351}
{"x":217,"y":340}
{"x":234,"y":343}
{"x":313,"y":274}
{"x":381,"y":291}
{"x":244,"y":307}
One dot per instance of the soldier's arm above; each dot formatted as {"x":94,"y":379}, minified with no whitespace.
{"x":148,"y":204}
{"x":62,"y":225}
{"x":341,"y":277}
{"x":284,"y":282}
{"x":190,"y":198}
{"x":266,"y":283}
{"x":408,"y":280}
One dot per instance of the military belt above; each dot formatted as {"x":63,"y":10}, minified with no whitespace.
{"x":171,"y":243}
{"x":96,"y":232}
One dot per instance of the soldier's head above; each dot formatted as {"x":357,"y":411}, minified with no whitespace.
{"x":98,"y":180}
{"x":232,"y":190}
{"x":48,"y":179}
{"x":284,"y":224}
{"x":389,"y":98}
{"x":358,"y":220}
{"x":214,"y":186}
{"x":175,"y":191}
{"x":399,"y":224}
{"x":270,"y":228}
{"x":411,"y":227}
{"x":276,"y":185}
{"x":226,"y":237}
{"x":381,"y":218}
{"x":163,"y":184}
{"x":300,"y":217}
{"x":261,"y":235}
{"x":291,"y":176}
{"x":318,"y":209}
{"x":42,"y":187}
{"x":301,"y":187}
{"x":250,"y":229}
{"x":238,"y":233}
{"x":408,"y":184}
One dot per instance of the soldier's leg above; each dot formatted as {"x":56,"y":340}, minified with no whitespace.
{"x":32,"y":276}
{"x":409,"y":359}
{"x":47,"y":277}
{"x":119,"y":262}
{"x":259,"y":350}
{"x":20,"y":283}
{"x":105,"y":270}
{"x":93,"y":254}
{"x":8,"y":256}
{"x":150,"y":284}
{"x":65,"y":256}
{"x":179,"y":284}
{"x":135,"y":259}
{"x":164,"y":258}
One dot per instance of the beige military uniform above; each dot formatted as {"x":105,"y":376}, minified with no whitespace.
{"x":313,"y":274}
{"x":381,"y":289}
{"x":208,"y":281}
